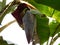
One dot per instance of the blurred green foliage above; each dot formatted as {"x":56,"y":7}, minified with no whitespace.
{"x":45,"y":29}
{"x":3,"y":42}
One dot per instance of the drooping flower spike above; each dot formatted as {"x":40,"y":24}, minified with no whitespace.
{"x":25,"y":19}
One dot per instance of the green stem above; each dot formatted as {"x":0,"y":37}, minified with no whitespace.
{"x":54,"y":34}
{"x":2,"y":28}
{"x":55,"y":39}
{"x":5,"y":9}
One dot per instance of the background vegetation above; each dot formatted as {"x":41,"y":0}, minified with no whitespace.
{"x":43,"y":10}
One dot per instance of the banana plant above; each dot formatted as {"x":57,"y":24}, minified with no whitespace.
{"x":34,"y":17}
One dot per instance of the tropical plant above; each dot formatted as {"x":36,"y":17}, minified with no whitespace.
{"x":34,"y":16}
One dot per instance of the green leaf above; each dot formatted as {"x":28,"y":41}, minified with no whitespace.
{"x":59,"y":44}
{"x":0,"y":6}
{"x":3,"y":3}
{"x":52,"y":3}
{"x":3,"y":42}
{"x":42,"y":29}
{"x":42,"y":8}
{"x":57,"y":29}
{"x":56,"y":15}
{"x":53,"y":25}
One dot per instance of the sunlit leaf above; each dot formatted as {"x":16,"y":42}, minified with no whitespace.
{"x":56,"y":15}
{"x":52,"y":3}
{"x":42,"y":8}
{"x":53,"y":25}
